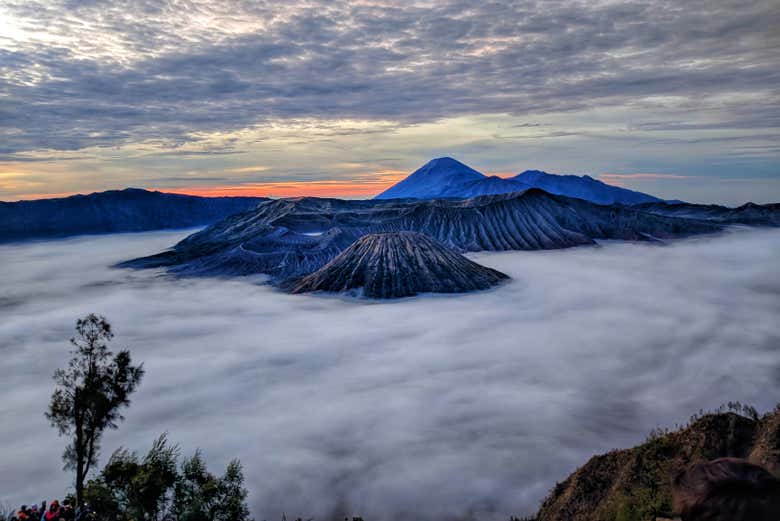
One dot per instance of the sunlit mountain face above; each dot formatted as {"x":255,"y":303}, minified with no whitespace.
{"x":346,"y":98}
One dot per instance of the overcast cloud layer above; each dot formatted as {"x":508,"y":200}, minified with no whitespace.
{"x":157,"y":70}
{"x":657,"y":87}
{"x":441,"y":406}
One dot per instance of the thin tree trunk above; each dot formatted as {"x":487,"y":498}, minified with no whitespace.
{"x":90,"y":454}
{"x":79,"y":451}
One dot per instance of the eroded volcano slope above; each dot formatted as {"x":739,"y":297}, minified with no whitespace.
{"x":288,"y":238}
{"x":399,"y":264}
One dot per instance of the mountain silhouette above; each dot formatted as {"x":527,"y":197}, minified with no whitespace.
{"x":432,"y":180}
{"x":128,"y":210}
{"x":448,"y":178}
{"x":582,"y":187}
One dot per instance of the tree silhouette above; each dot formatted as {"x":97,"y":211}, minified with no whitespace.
{"x":90,"y":394}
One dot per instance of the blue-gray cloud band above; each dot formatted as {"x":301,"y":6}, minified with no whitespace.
{"x":334,"y":60}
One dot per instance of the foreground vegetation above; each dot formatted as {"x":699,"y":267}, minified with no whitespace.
{"x":89,"y":397}
{"x":635,"y":484}
{"x":161,"y":485}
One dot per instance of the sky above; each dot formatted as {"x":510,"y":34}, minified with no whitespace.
{"x":437,"y":405}
{"x":328,"y":97}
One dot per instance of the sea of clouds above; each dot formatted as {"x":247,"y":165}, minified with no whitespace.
{"x":438,"y":407}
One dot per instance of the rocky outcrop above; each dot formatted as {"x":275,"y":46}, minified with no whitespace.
{"x":289,"y":238}
{"x":636,"y":483}
{"x":400,"y":264}
{"x":129,"y":210}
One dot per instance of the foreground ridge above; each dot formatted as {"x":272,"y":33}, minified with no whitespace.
{"x":636,"y":483}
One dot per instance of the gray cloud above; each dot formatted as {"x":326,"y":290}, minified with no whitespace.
{"x":167,"y":76}
{"x":441,"y":406}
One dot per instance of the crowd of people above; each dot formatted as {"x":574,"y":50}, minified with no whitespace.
{"x":725,"y":489}
{"x":54,"y":512}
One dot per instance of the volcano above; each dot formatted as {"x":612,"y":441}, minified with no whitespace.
{"x":434,"y":179}
{"x":399,"y":264}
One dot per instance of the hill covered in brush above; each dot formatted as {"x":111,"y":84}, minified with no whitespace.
{"x":635,"y":484}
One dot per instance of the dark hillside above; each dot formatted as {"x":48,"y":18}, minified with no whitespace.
{"x":635,"y":484}
{"x":129,"y":210}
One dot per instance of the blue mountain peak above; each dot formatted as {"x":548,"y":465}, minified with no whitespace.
{"x":583,"y":187}
{"x":445,"y":177}
{"x":432,"y":180}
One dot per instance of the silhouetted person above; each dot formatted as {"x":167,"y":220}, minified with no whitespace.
{"x":23,"y":513}
{"x":53,"y":514}
{"x":67,"y":513}
{"x":727,"y":489}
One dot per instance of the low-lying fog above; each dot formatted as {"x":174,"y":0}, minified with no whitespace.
{"x":437,"y":406}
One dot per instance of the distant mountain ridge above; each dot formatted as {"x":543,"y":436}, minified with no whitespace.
{"x":290,"y":238}
{"x":750,"y":213}
{"x":445,"y":177}
{"x":128,"y":210}
{"x":583,"y":187}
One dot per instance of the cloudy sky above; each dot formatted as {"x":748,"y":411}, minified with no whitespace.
{"x":318,"y":97}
